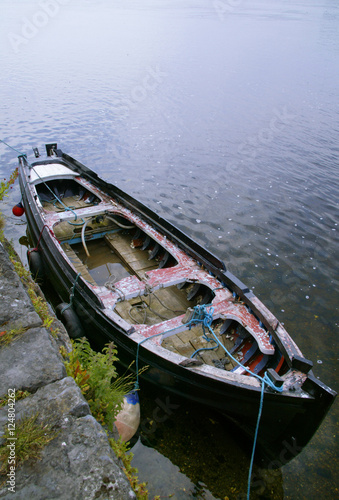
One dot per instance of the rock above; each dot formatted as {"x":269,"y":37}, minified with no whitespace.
{"x":55,"y":402}
{"x":16,"y":308}
{"x":30,"y":362}
{"x":218,"y":364}
{"x":79,"y":463}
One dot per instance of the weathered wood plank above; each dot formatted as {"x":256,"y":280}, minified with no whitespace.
{"x":188,"y":335}
{"x":136,"y":259}
{"x":77,"y":263}
{"x":185,"y":350}
{"x":173,"y":343}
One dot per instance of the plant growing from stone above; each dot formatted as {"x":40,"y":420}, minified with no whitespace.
{"x":18,"y":395}
{"x":121,"y":450}
{"x":7,"y":336}
{"x":97,"y":377}
{"x":39,"y":303}
{"x":31,"y":437}
{"x":5,"y":186}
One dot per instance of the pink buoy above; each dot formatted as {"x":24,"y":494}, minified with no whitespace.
{"x":18,"y":210}
{"x":128,"y":418}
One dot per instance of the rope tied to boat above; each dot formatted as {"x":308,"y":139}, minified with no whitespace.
{"x":71,"y":295}
{"x":56,"y":198}
{"x":66,"y":208}
{"x":11,"y":147}
{"x":35,"y":249}
{"x":203,"y":314}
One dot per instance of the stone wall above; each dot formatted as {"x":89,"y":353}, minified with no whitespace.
{"x":79,"y":462}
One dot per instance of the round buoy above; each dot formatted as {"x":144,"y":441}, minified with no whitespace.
{"x":128,"y":418}
{"x":71,"y":320}
{"x":18,"y":210}
{"x":36,"y":266}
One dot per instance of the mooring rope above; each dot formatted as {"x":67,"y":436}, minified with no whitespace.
{"x":207,"y":321}
{"x":11,"y":147}
{"x":55,"y":196}
{"x":203,"y":314}
{"x":35,"y":249}
{"x":261,"y":404}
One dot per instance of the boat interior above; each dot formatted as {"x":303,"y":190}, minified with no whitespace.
{"x":108,"y":249}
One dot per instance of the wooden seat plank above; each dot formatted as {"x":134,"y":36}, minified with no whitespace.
{"x":77,"y":263}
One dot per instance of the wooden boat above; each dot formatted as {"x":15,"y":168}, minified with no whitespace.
{"x":130,"y":276}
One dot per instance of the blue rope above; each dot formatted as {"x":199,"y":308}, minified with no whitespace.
{"x":11,"y":147}
{"x":67,"y":209}
{"x":205,"y":348}
{"x":205,"y":317}
{"x":208,"y":323}
{"x":56,"y":198}
{"x":264,"y":380}
{"x":255,"y":438}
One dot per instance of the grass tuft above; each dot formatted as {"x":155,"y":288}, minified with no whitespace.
{"x":18,"y":395}
{"x":6,"y":337}
{"x":30,"y":439}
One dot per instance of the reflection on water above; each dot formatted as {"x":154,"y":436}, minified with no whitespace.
{"x":223,"y":117}
{"x":188,"y":452}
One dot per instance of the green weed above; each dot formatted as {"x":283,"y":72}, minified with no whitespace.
{"x":97,"y":377}
{"x":6,"y":337}
{"x":18,"y":395}
{"x":30,"y":439}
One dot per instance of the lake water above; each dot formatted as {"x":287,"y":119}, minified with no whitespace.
{"x":223,"y":117}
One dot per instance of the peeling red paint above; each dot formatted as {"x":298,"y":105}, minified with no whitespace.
{"x":186,"y":270}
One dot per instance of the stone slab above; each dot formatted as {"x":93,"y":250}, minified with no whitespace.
{"x":15,"y":304}
{"x":79,"y":463}
{"x":30,"y":361}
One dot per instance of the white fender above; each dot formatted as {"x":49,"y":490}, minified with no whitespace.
{"x":128,"y":418}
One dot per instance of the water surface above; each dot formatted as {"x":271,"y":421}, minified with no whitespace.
{"x":223,"y":117}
